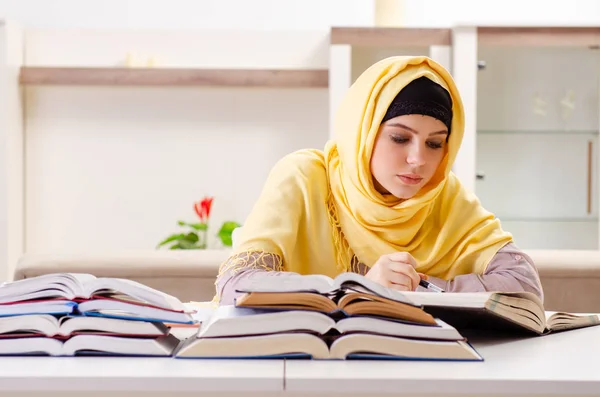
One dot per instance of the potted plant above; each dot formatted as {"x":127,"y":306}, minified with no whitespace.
{"x":196,"y":234}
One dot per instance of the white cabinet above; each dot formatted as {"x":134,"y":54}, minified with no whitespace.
{"x":543,"y":186}
{"x":538,"y":175}
{"x":531,"y":147}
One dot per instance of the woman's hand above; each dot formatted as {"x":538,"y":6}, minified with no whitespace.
{"x":396,"y":271}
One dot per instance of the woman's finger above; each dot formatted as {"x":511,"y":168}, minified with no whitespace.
{"x":406,"y":269}
{"x":400,"y":279}
{"x":403,"y":257}
{"x":399,"y":287}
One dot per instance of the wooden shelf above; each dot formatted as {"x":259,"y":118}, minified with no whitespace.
{"x":540,"y":36}
{"x":391,"y":37}
{"x":109,"y":76}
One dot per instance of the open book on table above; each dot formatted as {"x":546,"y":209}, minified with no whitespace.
{"x":163,"y":346}
{"x":235,"y":332}
{"x":73,"y":286}
{"x":353,"y":294}
{"x":68,"y":326}
{"x":348,"y":294}
{"x":107,"y":308}
{"x":113,"y":297}
{"x":499,"y":311}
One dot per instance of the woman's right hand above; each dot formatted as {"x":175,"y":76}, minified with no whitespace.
{"x":396,"y":271}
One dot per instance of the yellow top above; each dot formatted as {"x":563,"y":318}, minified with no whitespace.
{"x":320,"y":212}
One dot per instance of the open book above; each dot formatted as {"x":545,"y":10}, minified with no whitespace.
{"x":498,"y":311}
{"x":352,"y":346}
{"x":239,"y":321}
{"x":67,"y":326}
{"x":162,"y":346}
{"x":77,"y":286}
{"x":96,"y":308}
{"x":52,"y":306}
{"x":234,"y":332}
{"x":348,"y":294}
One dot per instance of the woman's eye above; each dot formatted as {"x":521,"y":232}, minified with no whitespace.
{"x":435,"y":145}
{"x":399,"y":139}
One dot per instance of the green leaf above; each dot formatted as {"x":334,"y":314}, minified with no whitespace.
{"x":226,"y":231}
{"x":187,"y":245}
{"x":173,"y":237}
{"x":191,"y":237}
{"x":175,"y":247}
{"x":195,"y":226}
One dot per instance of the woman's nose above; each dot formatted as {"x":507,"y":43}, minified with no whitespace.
{"x":416,"y":157}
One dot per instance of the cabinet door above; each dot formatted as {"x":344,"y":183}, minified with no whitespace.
{"x":542,"y":186}
{"x":538,"y":175}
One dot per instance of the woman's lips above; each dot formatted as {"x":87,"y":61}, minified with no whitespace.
{"x":410,"y":179}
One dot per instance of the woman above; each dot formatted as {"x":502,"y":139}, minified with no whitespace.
{"x":381,"y":199}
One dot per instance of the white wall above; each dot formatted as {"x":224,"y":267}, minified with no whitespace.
{"x":110,"y":168}
{"x":11,"y":147}
{"x":443,"y":13}
{"x":294,"y":14}
{"x":189,"y":14}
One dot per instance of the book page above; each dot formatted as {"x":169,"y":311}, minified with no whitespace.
{"x":129,"y":290}
{"x":289,"y":282}
{"x":349,"y":279}
{"x":561,"y":321}
{"x":450,"y":299}
{"x":83,"y":278}
{"x":230,"y":320}
{"x":29,"y":323}
{"x":66,"y":285}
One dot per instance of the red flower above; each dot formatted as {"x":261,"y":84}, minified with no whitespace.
{"x":202,"y":208}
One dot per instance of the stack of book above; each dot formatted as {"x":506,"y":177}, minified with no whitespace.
{"x":78,"y":314}
{"x":351,"y":317}
{"x":320,"y":318}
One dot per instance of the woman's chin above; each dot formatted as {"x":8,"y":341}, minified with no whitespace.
{"x":399,"y":189}
{"x":403,"y":192}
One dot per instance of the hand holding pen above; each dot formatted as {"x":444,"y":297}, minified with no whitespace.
{"x":397,"y":271}
{"x":430,"y":286}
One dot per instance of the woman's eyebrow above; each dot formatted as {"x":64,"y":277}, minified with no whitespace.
{"x":396,"y":124}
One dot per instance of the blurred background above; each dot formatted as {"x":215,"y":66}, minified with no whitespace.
{"x":118,"y":116}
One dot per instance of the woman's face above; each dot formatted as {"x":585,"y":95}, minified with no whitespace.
{"x":407,"y":153}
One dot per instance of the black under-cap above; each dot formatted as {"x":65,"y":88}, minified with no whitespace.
{"x":425,"y":97}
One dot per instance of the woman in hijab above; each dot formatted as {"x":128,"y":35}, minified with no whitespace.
{"x":380,"y":199}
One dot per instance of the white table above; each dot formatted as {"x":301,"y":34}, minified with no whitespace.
{"x":116,"y":377}
{"x":561,"y":364}
{"x":558,"y":364}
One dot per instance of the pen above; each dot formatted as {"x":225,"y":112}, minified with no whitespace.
{"x":430,"y":286}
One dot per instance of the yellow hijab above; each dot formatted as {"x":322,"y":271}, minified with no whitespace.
{"x":320,"y":209}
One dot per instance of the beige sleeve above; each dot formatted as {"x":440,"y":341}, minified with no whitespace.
{"x":511,"y":270}
{"x":245,"y":267}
